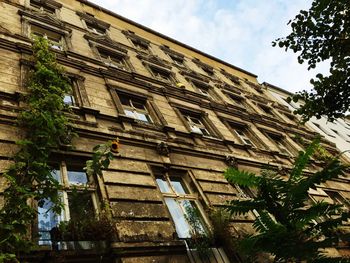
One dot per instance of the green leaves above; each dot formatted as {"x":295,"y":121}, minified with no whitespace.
{"x":242,"y":178}
{"x":101,"y":159}
{"x":287,"y":225}
{"x":29,"y":178}
{"x":319,"y":34}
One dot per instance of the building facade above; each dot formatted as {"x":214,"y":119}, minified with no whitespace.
{"x":182,"y":118}
{"x":337,"y":132}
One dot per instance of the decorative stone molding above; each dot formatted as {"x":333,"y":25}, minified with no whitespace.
{"x":231,"y":161}
{"x":163,"y":149}
{"x":94,"y":21}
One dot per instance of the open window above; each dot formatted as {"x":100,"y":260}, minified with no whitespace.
{"x":48,"y":7}
{"x":280,"y":143}
{"x":205,"y":89}
{"x":267,"y":110}
{"x":209,"y":70}
{"x":135,"y":108}
{"x":55,"y":38}
{"x":112,"y":59}
{"x":92,"y":24}
{"x":161,"y":74}
{"x":196,"y":124}
{"x":138,"y":42}
{"x":243,"y":134}
{"x":78,"y":196}
{"x":181,"y":202}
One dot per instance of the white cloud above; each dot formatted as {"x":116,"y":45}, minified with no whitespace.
{"x":239,"y":32}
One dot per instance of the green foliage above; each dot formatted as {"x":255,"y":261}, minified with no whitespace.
{"x":201,"y":240}
{"x":319,"y":34}
{"x":286,"y":222}
{"x":93,"y":228}
{"x":44,"y":122}
{"x":101,"y":159}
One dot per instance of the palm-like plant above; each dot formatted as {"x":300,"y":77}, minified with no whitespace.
{"x":287,"y":225}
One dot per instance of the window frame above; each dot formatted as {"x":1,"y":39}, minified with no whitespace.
{"x":279,"y":141}
{"x":48,"y":7}
{"x":111,"y":56}
{"x":203,"y":118}
{"x":189,"y":195}
{"x":67,"y":187}
{"x":152,"y":108}
{"x":45,"y":23}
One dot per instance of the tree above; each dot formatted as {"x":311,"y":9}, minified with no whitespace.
{"x":319,"y":34}
{"x":288,"y":225}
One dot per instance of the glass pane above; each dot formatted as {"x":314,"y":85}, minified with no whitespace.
{"x":142,"y":117}
{"x":178,"y":186}
{"x":193,"y":216}
{"x":68,"y":100}
{"x":181,"y":224}
{"x":124,"y":100}
{"x":138,"y":104}
{"x":129,"y":113}
{"x":196,"y":129}
{"x":163,"y":185}
{"x":77,"y":177}
{"x":57,"y":175}
{"x":205,"y":132}
{"x":47,"y":219}
{"x":195,"y":120}
{"x":80,"y":205}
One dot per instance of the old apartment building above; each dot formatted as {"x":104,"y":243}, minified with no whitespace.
{"x":182,"y":117}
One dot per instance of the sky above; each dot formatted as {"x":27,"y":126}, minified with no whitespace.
{"x":239,"y":32}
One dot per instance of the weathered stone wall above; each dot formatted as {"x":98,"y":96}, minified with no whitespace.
{"x":142,"y":218}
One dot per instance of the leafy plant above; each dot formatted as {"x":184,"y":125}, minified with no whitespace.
{"x":319,"y":34}
{"x":286,"y":226}
{"x":101,"y":158}
{"x":43,"y":121}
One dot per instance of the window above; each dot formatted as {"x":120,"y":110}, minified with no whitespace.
{"x":135,"y":108}
{"x":279,"y":142}
{"x":196,"y":124}
{"x":55,"y":38}
{"x":180,"y":202}
{"x":290,"y":117}
{"x":237,"y":100}
{"x":78,"y":199}
{"x":266,"y":110}
{"x":112,"y":59}
{"x":69,"y":99}
{"x":243,"y":135}
{"x":161,"y":74}
{"x":177,"y":60}
{"x":95,"y":29}
{"x":175,"y":56}
{"x":337,"y":198}
{"x":206,"y":68}
{"x":43,"y":6}
{"x":139,"y":42}
{"x":205,"y":90}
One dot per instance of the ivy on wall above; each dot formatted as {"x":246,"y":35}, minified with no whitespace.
{"x":29,"y":178}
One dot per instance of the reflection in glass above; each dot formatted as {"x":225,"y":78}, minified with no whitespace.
{"x":78,"y":178}
{"x":163,"y":185}
{"x":181,"y":224}
{"x":47,"y":219}
{"x":178,"y":186}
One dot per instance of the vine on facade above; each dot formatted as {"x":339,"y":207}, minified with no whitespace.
{"x":45,"y":125}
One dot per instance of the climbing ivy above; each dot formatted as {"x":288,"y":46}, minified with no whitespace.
{"x":44,"y":123}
